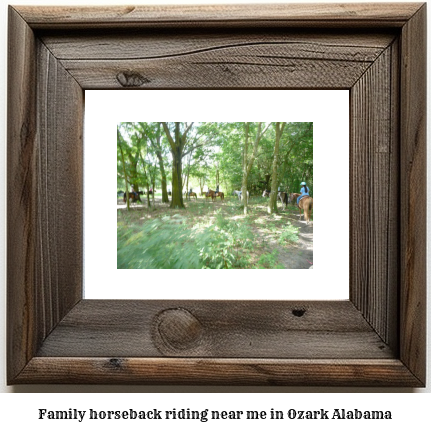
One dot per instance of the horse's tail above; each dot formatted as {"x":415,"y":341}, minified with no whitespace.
{"x":308,"y":206}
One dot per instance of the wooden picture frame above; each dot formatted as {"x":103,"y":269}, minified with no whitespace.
{"x":376,"y":338}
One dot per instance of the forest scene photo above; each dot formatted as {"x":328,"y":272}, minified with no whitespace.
{"x":206,"y":195}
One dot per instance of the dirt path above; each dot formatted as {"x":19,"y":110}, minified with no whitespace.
{"x":299,"y":256}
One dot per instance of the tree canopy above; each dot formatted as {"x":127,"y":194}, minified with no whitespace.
{"x":236,"y":155}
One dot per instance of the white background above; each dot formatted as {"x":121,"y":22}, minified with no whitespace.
{"x":329,"y":112}
{"x":20,"y":409}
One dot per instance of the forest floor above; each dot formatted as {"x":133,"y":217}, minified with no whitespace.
{"x":280,"y":240}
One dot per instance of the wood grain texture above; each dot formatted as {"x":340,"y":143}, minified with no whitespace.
{"x":141,"y":44}
{"x":59,"y":182}
{"x":204,"y":59}
{"x":413,"y":194}
{"x":377,"y":338}
{"x":45,"y":106}
{"x":373,"y":215}
{"x":21,"y":235}
{"x":253,"y":15}
{"x":197,"y":371}
{"x":241,"y":329}
{"x":285,"y":63}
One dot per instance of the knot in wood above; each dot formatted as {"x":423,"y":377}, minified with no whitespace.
{"x":178,"y":329}
{"x":131,"y":79}
{"x":298,"y":312}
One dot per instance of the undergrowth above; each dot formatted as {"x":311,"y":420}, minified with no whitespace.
{"x":199,"y":239}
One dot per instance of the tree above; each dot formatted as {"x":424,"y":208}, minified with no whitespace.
{"x":177,"y":144}
{"x":272,"y":206}
{"x":126,"y":180}
{"x":187,"y":174}
{"x":296,"y":156}
{"x":154,"y":134}
{"x":247,"y":162}
{"x":149,"y":167}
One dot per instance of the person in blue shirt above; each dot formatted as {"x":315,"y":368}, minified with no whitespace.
{"x":304,"y":192}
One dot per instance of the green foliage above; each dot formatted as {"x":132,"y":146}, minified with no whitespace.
{"x":211,"y":153}
{"x":289,"y":234}
{"x":213,"y":149}
{"x":269,"y":261}
{"x":161,"y":243}
{"x":169,"y":243}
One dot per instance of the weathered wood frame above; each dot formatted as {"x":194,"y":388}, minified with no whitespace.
{"x":376,"y":338}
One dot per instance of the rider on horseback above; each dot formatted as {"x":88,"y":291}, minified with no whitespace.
{"x":304,"y":192}
{"x":217,"y":188}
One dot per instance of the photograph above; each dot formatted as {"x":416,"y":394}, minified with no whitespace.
{"x":195,"y":195}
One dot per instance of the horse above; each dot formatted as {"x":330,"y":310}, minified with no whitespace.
{"x":238,"y":193}
{"x":305,"y":203}
{"x":266,"y":193}
{"x":283,"y":197}
{"x":191,"y":194}
{"x":134,"y":196}
{"x":150,"y":192}
{"x":211,"y":194}
{"x":220,"y":194}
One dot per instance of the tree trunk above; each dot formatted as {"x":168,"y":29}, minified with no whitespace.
{"x":165,"y":198}
{"x":272,"y":207}
{"x":148,"y":196}
{"x":246,"y":164}
{"x":177,"y":195}
{"x":125,"y":175}
{"x":244,"y":194}
{"x":244,"y":168}
{"x":177,"y":148}
{"x":133,"y":168}
{"x":201,"y":184}
{"x":267,"y":179}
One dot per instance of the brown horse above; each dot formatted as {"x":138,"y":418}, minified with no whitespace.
{"x":305,"y":204}
{"x":266,"y":193}
{"x":210,"y":194}
{"x":220,"y":194}
{"x":134,"y":196}
{"x":191,"y":194}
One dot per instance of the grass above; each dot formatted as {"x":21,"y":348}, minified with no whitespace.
{"x":204,"y":235}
